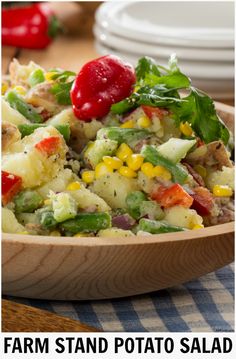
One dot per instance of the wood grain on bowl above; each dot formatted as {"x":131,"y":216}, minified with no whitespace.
{"x":18,"y":317}
{"x":96,"y":268}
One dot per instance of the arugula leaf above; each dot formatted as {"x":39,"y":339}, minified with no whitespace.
{"x":62,"y":75}
{"x":62,"y":92}
{"x":146,"y":65}
{"x":157,"y":96}
{"x":62,"y":86}
{"x":176,"y":80}
{"x":199,"y":110}
{"x":173,"y":64}
{"x":159,"y":86}
{"x":149,"y":73}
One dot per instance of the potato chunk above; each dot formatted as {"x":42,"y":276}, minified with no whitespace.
{"x":182,"y":217}
{"x":33,"y":166}
{"x":10,"y":134}
{"x":10,"y":223}
{"x":114,"y":188}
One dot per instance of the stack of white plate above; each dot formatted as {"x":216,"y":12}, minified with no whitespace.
{"x":200,"y":33}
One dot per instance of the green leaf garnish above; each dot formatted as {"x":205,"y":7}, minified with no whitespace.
{"x":158,"y":86}
{"x":62,"y":92}
{"x":146,"y":65}
{"x":199,"y":110}
{"x":62,"y":86}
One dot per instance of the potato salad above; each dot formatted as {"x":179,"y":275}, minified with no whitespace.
{"x":112,"y":151}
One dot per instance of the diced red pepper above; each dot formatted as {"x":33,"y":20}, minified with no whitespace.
{"x":11,"y":185}
{"x":99,"y":84}
{"x":48,"y":145}
{"x":202,"y":201}
{"x":155,"y":111}
{"x":175,"y":195}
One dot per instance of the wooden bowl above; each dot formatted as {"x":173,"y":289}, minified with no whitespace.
{"x":97,"y":268}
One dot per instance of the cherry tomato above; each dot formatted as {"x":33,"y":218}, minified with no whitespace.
{"x":99,"y":84}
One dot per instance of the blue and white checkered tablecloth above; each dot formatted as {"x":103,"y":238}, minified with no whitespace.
{"x":202,"y":305}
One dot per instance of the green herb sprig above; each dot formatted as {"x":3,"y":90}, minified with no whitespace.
{"x":158,"y":86}
{"x":62,"y":85}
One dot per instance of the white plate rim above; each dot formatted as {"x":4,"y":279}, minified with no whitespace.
{"x":210,"y":72}
{"x":106,"y":17}
{"x":134,"y":46}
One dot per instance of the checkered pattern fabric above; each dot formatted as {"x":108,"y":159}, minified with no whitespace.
{"x":202,"y":305}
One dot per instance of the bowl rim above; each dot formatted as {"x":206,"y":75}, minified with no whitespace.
{"x":212,"y":231}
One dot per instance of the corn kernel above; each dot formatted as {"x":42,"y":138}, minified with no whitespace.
{"x":114,"y":162}
{"x":186,"y":129}
{"x":144,"y":122}
{"x":200,"y":170}
{"x":102,"y":169}
{"x":161,"y":171}
{"x":128,"y":124}
{"x":55,"y":234}
{"x":47,"y":202}
{"x":73,"y":186}
{"x":88,"y":176}
{"x":147,"y":169}
{"x":123,"y":152}
{"x":127,"y":172}
{"x":49,"y":75}
{"x":4,"y":88}
{"x":20,"y":90}
{"x":197,"y":226}
{"x":81,"y":234}
{"x":23,"y":232}
{"x":222,"y":191}
{"x":135,"y":161}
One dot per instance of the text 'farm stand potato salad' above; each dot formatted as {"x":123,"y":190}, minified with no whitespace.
{"x":112,"y":151}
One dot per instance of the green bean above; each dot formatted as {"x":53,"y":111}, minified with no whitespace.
{"x":156,"y":227}
{"x":21,"y":106}
{"x":134,"y":201}
{"x":127,"y":135}
{"x":27,"y":201}
{"x":124,"y":106}
{"x":87,"y":222}
{"x":28,"y":128}
{"x":151,"y":155}
{"x":64,"y":131}
{"x":36,"y":77}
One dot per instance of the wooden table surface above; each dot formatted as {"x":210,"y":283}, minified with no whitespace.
{"x":66,"y":52}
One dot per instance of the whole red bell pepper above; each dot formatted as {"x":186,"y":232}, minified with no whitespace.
{"x":33,"y":26}
{"x":11,"y":185}
{"x":99,"y":84}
